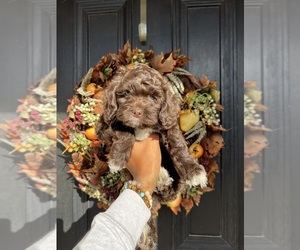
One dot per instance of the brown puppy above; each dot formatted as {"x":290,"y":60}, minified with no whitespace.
{"x":138,"y":102}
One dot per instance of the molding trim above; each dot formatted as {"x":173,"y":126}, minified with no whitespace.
{"x":41,"y":38}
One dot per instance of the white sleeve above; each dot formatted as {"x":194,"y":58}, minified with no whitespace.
{"x":120,"y":227}
{"x":48,"y":242}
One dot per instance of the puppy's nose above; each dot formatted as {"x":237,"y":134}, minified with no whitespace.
{"x":137,"y":113}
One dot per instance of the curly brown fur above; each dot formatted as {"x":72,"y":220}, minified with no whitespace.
{"x":139,"y":98}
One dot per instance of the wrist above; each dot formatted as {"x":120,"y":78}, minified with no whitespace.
{"x":140,"y":190}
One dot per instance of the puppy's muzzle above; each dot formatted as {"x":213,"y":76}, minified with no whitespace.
{"x":137,"y":112}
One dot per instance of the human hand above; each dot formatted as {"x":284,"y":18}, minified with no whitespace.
{"x":145,"y":161}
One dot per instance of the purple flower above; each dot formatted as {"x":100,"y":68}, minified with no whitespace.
{"x":78,"y":115}
{"x":35,"y":115}
{"x":25,"y":124}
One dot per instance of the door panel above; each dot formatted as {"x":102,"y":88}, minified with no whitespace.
{"x":100,"y":28}
{"x":209,"y":32}
{"x":267,"y":222}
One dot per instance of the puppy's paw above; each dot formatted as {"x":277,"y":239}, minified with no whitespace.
{"x":113,"y":166}
{"x":197,"y":177}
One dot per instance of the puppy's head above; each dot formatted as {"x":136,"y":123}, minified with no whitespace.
{"x":139,"y":98}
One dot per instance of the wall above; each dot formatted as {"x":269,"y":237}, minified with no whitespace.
{"x":27,"y":52}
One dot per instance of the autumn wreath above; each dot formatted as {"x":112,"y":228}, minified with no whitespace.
{"x":32,"y":134}
{"x":254,"y":140}
{"x":199,"y":122}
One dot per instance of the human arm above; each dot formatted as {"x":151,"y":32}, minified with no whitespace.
{"x":121,"y":225}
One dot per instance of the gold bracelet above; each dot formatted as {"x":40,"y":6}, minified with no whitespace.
{"x":137,"y":187}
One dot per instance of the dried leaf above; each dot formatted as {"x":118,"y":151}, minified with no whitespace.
{"x":3,"y":126}
{"x":175,"y":210}
{"x":156,"y":205}
{"x":250,"y":84}
{"x":213,"y":84}
{"x":219,"y":107}
{"x":76,"y":173}
{"x":182,"y":60}
{"x":212,"y":144}
{"x":251,"y":166}
{"x":95,"y":143}
{"x":174,"y":54}
{"x":125,"y":55}
{"x":254,"y":128}
{"x":197,"y":199}
{"x":212,"y":167}
{"x":188,"y":204}
{"x":77,"y":159}
{"x":261,"y":107}
{"x":24,"y":166}
{"x":207,"y":189}
{"x":149,"y":54}
{"x":35,"y":160}
{"x":217,"y":128}
{"x":161,"y":65}
{"x":204,"y":81}
{"x":211,"y":179}
{"x":97,"y":74}
{"x":101,"y":204}
{"x":93,"y":174}
{"x":98,"y":109}
{"x":248,"y":181}
{"x":254,"y":142}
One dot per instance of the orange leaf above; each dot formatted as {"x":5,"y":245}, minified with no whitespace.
{"x":95,"y":144}
{"x":72,"y":166}
{"x":175,"y":210}
{"x":24,"y":166}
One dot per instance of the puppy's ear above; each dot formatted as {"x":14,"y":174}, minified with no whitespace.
{"x":169,"y":112}
{"x":110,"y":105}
{"x":110,"y":101}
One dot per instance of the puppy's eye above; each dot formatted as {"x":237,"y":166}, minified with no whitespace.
{"x":153,"y":97}
{"x":123,"y":94}
{"x":127,"y":93}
